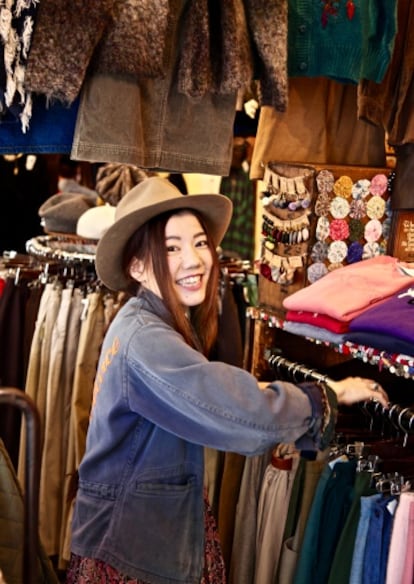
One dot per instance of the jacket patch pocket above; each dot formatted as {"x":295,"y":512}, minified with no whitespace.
{"x":161,"y":523}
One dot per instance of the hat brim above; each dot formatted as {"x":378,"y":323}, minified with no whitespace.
{"x":216,"y":211}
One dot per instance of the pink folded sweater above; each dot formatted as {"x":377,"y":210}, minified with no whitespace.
{"x":346,"y":292}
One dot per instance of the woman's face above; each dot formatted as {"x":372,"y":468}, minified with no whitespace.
{"x":189,"y":260}
{"x":189,"y":257}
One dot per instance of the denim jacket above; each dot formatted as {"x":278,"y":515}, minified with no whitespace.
{"x":157,"y":402}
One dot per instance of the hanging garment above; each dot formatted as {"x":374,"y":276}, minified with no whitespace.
{"x":50,"y":132}
{"x":342,"y":560}
{"x":320,"y":125}
{"x":325,"y":522}
{"x":240,"y":236}
{"x":312,"y":470}
{"x":54,"y":435}
{"x":12,"y":528}
{"x":69,"y":460}
{"x":132,"y":133}
{"x":18,"y":21}
{"x":117,"y":38}
{"x":389,"y":104}
{"x":12,"y":364}
{"x":378,"y":540}
{"x":357,"y":564}
{"x":400,"y":566}
{"x":408,"y":571}
{"x":272,"y":512}
{"x":227,"y":505}
{"x":336,"y":39}
{"x":87,"y":353}
{"x":244,"y":542}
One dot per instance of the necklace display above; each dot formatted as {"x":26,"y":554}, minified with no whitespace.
{"x":286,"y":207}
{"x":290,"y":231}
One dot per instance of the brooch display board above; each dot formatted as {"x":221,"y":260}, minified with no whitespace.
{"x":352,"y":218}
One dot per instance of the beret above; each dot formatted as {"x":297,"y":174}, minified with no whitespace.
{"x":93,"y":223}
{"x":60,"y":212}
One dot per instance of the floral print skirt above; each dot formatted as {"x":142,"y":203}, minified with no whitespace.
{"x":90,"y":571}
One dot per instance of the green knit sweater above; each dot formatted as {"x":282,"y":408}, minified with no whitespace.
{"x":337,"y":46}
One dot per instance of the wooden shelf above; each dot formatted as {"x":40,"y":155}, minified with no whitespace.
{"x":399,"y":365}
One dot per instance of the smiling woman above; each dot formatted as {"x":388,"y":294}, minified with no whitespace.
{"x":142,"y":514}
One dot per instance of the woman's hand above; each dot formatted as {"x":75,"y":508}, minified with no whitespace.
{"x":352,"y":390}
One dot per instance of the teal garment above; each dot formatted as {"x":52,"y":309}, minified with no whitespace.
{"x":341,"y":48}
{"x":328,"y":515}
{"x":305,"y":566}
{"x":342,"y":562}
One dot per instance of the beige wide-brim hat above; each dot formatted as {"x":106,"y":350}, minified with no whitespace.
{"x":146,"y":200}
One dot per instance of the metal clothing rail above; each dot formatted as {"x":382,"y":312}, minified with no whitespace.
{"x":62,"y":249}
{"x":401,"y":417}
{"x":294,"y":369}
{"x":17,"y":398}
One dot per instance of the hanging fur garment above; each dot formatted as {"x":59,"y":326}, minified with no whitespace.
{"x":128,"y":37}
{"x":216,"y":54}
{"x":135,"y":44}
{"x":268,"y":22}
{"x":63,"y":42}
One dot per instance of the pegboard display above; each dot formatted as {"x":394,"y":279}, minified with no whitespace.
{"x":352,"y":219}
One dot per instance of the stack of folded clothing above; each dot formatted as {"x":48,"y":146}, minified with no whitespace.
{"x":388,"y":326}
{"x":328,"y":309}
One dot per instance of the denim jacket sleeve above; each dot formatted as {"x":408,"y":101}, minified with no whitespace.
{"x":324,"y":415}
{"x":211,"y":403}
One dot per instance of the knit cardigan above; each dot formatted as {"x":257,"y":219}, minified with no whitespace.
{"x":339,"y":46}
{"x":223,"y":45}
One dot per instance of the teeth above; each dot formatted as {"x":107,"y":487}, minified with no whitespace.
{"x":189,"y":281}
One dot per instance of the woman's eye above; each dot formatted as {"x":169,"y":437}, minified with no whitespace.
{"x":202,"y":243}
{"x":172,"y":248}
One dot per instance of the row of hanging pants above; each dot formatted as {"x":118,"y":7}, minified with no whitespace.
{"x":324,"y":520}
{"x":51,"y":334}
{"x":67,"y":332}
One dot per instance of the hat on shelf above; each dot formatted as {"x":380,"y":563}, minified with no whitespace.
{"x":60,"y":212}
{"x":93,"y":223}
{"x":150,"y":198}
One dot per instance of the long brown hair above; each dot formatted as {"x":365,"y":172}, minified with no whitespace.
{"x":148,"y":245}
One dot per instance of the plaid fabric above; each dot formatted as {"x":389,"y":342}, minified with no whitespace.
{"x":240,"y":234}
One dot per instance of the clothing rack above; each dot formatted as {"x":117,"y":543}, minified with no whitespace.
{"x":402,"y":418}
{"x":62,"y":248}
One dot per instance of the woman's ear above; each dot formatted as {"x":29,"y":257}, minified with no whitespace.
{"x":136,"y":270}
